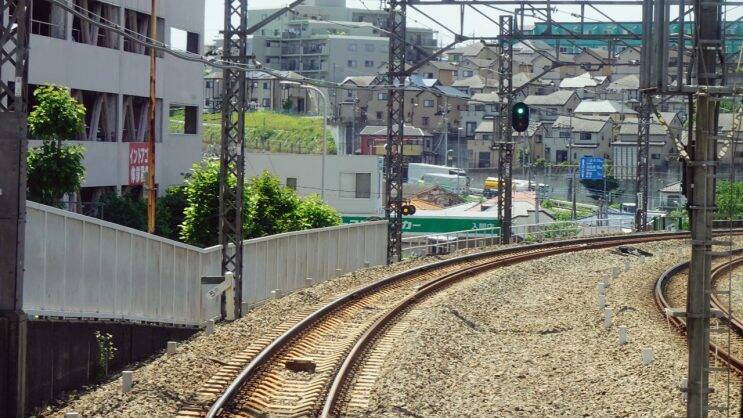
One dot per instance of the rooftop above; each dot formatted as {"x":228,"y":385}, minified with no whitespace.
{"x":603,"y":106}
{"x":582,"y":124}
{"x":557,"y":98}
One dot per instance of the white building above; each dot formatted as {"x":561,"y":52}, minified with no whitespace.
{"x":110,"y":76}
{"x":353,"y":183}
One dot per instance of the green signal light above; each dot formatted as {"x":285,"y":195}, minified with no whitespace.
{"x":520,"y":111}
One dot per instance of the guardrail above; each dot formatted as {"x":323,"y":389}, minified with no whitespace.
{"x":81,"y":268}
{"x":444,"y":243}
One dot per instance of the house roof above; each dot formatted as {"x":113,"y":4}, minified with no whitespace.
{"x":451,"y":92}
{"x":361,"y":80}
{"x":408,"y":130}
{"x":470,"y":50}
{"x":630,"y":82}
{"x":486,"y":126}
{"x":631,"y":128}
{"x":581,"y":81}
{"x":443,"y":65}
{"x":475,"y":82}
{"x":557,"y":98}
{"x":582,"y":124}
{"x":672,"y":188}
{"x":531,"y":129}
{"x":484,"y":98}
{"x":603,"y":106}
{"x":482,"y":63}
{"x":519,"y":79}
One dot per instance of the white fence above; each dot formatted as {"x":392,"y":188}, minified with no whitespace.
{"x":81,"y":267}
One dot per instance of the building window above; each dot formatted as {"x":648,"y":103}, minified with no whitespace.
{"x":291,"y":182}
{"x":585,"y":136}
{"x":355,"y":185}
{"x":487,"y":137}
{"x":479,"y":108}
{"x":428,"y":103}
{"x":266,"y":102}
{"x":351,"y":63}
{"x":265,"y":85}
{"x":424,"y":120}
{"x":468,"y":73}
{"x":379,"y":115}
{"x":182,"y":40}
{"x":470,"y":128}
{"x":368,"y":64}
{"x":564,"y":134}
{"x":352,"y":47}
{"x":655,"y":156}
{"x":483,"y":159}
{"x":48,"y":19}
{"x":381,"y":96}
{"x":369,"y":47}
{"x":184,"y":119}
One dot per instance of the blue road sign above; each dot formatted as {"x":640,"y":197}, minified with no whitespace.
{"x":591,"y":168}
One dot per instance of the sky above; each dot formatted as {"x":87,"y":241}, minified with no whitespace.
{"x":475,"y":24}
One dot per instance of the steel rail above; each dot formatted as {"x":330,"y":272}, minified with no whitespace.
{"x":277,"y":345}
{"x":680,"y":324}
{"x":366,"y":341}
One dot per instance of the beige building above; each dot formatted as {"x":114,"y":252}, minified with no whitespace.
{"x":583,"y":136}
{"x":548,"y":107}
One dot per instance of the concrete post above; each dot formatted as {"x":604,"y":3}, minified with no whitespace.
{"x":607,"y":318}
{"x":647,"y":355}
{"x":338,"y":272}
{"x":276,"y":293}
{"x":367,"y":264}
{"x":614,"y":272}
{"x":602,"y":301}
{"x":229,"y":296}
{"x":623,"y":338}
{"x":209,"y":329}
{"x":627,"y":265}
{"x":172,"y":346}
{"x":127,"y":381}
{"x":607,"y":283}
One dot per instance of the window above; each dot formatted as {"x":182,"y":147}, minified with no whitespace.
{"x":585,"y":136}
{"x":265,"y":85}
{"x":468,"y":73}
{"x":48,"y":20}
{"x":182,"y":40}
{"x":355,"y":185}
{"x":379,"y":115}
{"x":349,"y":94}
{"x":564,"y":134}
{"x":369,"y":47}
{"x":483,"y":159}
{"x":428,"y":103}
{"x":266,"y":102}
{"x":368,"y":64}
{"x":351,"y":63}
{"x":479,"y":108}
{"x":184,"y":119}
{"x":487,"y":137}
{"x":381,"y":96}
{"x":429,"y":75}
{"x":739,"y":154}
{"x":352,"y":47}
{"x":561,"y":156}
{"x":655,"y":156}
{"x":208,"y":84}
{"x":291,"y":182}
{"x":424,"y":120}
{"x":470,"y":128}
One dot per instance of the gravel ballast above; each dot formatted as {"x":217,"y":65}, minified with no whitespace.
{"x":529,"y":340}
{"x":164,"y":383}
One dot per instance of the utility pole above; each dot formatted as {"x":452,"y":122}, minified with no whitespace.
{"x":505,"y":90}
{"x":152,"y":112}
{"x":643,"y":163}
{"x":702,"y":208}
{"x":13,"y":114}
{"x":446,"y":130}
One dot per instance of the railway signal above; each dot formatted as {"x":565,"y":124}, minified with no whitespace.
{"x":408,"y":210}
{"x":520,"y":117}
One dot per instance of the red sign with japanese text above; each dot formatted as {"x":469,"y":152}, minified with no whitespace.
{"x":137,"y":163}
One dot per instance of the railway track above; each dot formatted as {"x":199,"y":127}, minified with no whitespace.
{"x":327,"y":362}
{"x":670,"y":294}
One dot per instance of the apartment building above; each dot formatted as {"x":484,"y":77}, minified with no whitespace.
{"x":110,"y":76}
{"x":327,"y":40}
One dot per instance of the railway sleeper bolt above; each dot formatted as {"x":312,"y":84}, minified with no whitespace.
{"x":172,"y":346}
{"x":127,"y":381}
{"x":297,"y":365}
{"x":623,"y":337}
{"x":607,"y":318}
{"x":647,"y":356}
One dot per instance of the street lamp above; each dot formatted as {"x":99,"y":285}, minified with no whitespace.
{"x":324,"y":128}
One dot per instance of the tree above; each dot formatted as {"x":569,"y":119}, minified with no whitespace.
{"x":171,"y":209}
{"x":53,"y":169}
{"x":314,"y":213}
{"x":272,"y":207}
{"x":200,"y":225}
{"x":729,"y":200}
{"x":596,"y":187}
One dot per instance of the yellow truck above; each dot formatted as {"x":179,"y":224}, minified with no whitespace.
{"x":491,"y":187}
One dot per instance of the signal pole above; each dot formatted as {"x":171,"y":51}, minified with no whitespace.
{"x":152,"y":112}
{"x":13,"y":325}
{"x":505,"y":90}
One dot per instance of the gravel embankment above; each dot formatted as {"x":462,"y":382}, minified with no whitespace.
{"x":529,"y":340}
{"x":164,"y":383}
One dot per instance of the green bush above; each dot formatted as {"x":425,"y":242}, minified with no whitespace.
{"x":729,"y":200}
{"x":272,"y":207}
{"x":560,"y":230}
{"x":314,"y":213}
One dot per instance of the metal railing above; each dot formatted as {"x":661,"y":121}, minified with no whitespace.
{"x":446,"y":242}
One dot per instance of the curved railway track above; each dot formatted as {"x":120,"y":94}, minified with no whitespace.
{"x":337,"y":351}
{"x":670,"y":293}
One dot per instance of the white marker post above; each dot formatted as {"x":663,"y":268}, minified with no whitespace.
{"x":647,"y":355}
{"x":607,"y":318}
{"x":172,"y":346}
{"x":127,"y":381}
{"x":623,"y":335}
